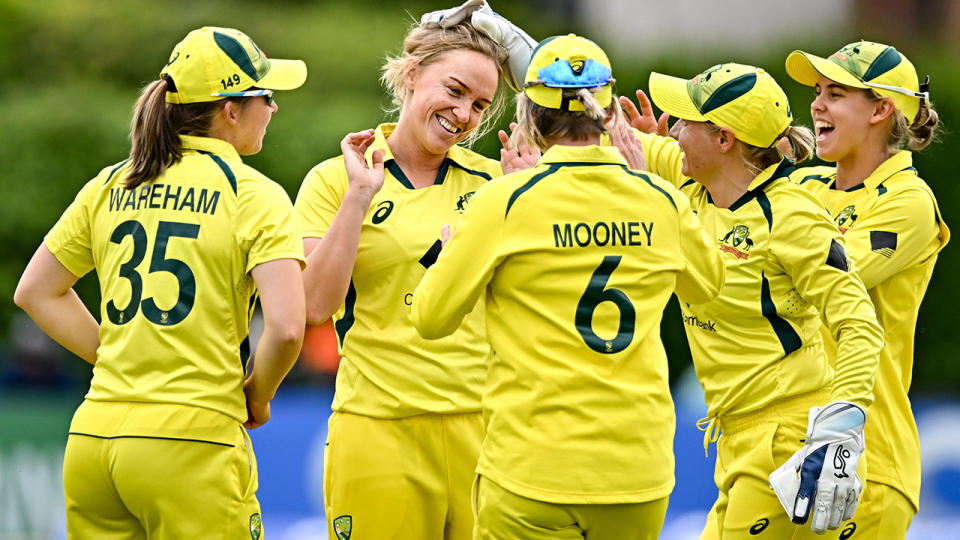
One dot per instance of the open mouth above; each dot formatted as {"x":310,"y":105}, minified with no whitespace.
{"x":453,"y":130}
{"x":823,"y":130}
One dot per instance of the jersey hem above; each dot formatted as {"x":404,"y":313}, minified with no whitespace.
{"x":568,"y":497}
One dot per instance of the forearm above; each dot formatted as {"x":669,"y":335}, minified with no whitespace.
{"x":330,"y":262}
{"x":276,"y":353}
{"x":66,"y":320}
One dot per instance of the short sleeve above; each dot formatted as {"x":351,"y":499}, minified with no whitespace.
{"x":320,"y":197}
{"x":70,"y":239}
{"x":268,"y":227}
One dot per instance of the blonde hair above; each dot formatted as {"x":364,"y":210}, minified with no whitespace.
{"x":539,"y":126}
{"x":903,"y":134}
{"x":424,"y":46}
{"x":156,"y":128}
{"x":758,"y":158}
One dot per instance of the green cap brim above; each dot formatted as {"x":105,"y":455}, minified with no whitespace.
{"x":284,"y":75}
{"x":670,"y":95}
{"x":807,"y":69}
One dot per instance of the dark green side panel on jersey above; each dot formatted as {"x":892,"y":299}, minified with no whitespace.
{"x":344,"y":324}
{"x":789,"y":339}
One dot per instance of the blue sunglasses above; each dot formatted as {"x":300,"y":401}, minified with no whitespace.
{"x":561,"y":74}
{"x":267,"y":94}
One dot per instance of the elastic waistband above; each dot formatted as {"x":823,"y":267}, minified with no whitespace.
{"x":732,"y":423}
{"x":713,"y":426}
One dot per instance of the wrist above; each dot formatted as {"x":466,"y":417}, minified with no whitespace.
{"x":255,"y":393}
{"x":360,"y":196}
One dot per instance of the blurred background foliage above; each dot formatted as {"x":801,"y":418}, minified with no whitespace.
{"x":70,"y":72}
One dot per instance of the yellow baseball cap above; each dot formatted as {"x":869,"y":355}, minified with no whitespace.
{"x":213,"y":62}
{"x":742,"y":98}
{"x":865,"y":64}
{"x":569,"y":61}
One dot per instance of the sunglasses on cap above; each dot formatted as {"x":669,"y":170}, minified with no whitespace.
{"x":561,"y":74}
{"x":266,"y":94}
{"x":924,"y":92}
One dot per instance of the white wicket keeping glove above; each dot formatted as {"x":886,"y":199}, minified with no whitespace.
{"x":820,"y":480}
{"x":519,"y":44}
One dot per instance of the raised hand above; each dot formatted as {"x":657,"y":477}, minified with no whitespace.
{"x":644,"y":119}
{"x":624,"y":139}
{"x":365,"y":180}
{"x":516,"y":158}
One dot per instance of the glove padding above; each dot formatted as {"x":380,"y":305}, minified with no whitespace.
{"x":519,"y":44}
{"x":820,"y":480}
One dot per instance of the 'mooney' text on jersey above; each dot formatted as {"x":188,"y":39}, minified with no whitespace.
{"x":622,"y":233}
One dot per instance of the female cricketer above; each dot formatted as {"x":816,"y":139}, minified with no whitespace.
{"x":182,"y":236}
{"x":869,"y":106}
{"x":577,"y":258}
{"x":756,"y":349}
{"x":405,"y":433}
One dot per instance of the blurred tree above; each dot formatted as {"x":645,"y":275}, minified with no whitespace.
{"x":70,"y":72}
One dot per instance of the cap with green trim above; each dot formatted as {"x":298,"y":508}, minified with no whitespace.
{"x":212,"y":62}
{"x":744,"y":99}
{"x":865,"y":64}
{"x":568,"y":62}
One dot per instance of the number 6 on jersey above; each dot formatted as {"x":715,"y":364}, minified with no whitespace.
{"x":593,"y":297}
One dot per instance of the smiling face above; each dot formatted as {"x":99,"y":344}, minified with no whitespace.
{"x":697,"y":140}
{"x":841,"y":119}
{"x":445,"y":99}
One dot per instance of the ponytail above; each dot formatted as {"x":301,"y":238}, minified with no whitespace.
{"x":903,"y":134}
{"x":156,"y":128}
{"x":154,"y":143}
{"x":801,"y":141}
{"x":538,"y":125}
{"x":757,"y":158}
{"x":923,"y":131}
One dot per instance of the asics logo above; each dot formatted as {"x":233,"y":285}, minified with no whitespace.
{"x":759,"y":526}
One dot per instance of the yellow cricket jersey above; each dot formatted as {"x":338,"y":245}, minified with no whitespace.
{"x":786,"y":267}
{"x":387,"y":370}
{"x":893,"y":229}
{"x":173,"y":257}
{"x":578,"y":257}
